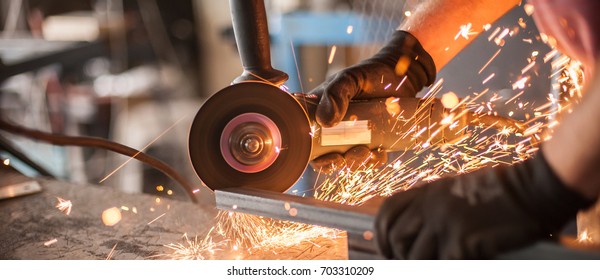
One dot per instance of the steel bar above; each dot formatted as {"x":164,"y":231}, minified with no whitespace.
{"x":296,"y":208}
{"x":358,"y":221}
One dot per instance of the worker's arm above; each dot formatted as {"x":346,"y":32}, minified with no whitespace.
{"x":573,"y":151}
{"x":407,"y":63}
{"x":432,"y":30}
{"x":481,"y":214}
{"x":490,"y":211}
{"x":435,"y":23}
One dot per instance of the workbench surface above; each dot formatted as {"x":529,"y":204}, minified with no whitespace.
{"x":30,"y":225}
{"x":34,"y":228}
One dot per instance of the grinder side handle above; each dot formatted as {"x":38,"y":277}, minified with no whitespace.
{"x":252,"y":37}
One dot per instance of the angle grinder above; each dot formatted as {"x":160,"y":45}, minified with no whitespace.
{"x":254,"y":134}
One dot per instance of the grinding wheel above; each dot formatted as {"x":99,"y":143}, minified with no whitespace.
{"x":250,"y":134}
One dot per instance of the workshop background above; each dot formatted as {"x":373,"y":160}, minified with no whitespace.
{"x":136,"y":72}
{"x":151,"y":64}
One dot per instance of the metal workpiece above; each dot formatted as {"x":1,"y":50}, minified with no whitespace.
{"x":296,"y":208}
{"x":357,"y":221}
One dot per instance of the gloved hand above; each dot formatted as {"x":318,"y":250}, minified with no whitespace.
{"x":359,"y":157}
{"x":402,"y":66}
{"x":477,"y":215}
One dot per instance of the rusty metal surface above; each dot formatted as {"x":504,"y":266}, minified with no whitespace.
{"x":28,"y":222}
{"x":31,"y":221}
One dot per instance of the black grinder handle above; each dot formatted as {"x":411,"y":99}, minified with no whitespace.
{"x":252,"y":37}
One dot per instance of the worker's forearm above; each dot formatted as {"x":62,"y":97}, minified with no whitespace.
{"x":436,"y":22}
{"x":574,"y":150}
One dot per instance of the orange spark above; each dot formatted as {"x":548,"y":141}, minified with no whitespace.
{"x":332,"y":54}
{"x":64,"y":205}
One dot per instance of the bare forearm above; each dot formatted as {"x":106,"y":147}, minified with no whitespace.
{"x":574,"y":150}
{"x":436,"y":22}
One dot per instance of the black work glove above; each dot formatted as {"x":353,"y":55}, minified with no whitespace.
{"x":358,"y":158}
{"x":402,"y":66}
{"x":402,"y":57}
{"x":477,"y":215}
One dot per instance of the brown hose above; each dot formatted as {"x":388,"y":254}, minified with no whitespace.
{"x":63,"y":140}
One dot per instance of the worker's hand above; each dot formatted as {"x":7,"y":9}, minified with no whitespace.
{"x":357,"y":158}
{"x":401,"y":68}
{"x":477,"y":215}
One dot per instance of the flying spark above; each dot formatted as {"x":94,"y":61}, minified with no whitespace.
{"x":156,"y":219}
{"x":332,"y":55}
{"x":112,"y":251}
{"x":465,"y":31}
{"x":488,"y":78}
{"x":193,"y":249}
{"x":349,"y":29}
{"x":64,"y":205}
{"x":111,"y":216}
{"x":488,"y":139}
{"x":143,"y":149}
{"x":50,"y":242}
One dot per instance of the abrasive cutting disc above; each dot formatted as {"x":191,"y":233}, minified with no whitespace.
{"x":250,"y":134}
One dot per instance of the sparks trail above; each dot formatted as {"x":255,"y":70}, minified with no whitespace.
{"x":194,"y":249}
{"x":143,"y":149}
{"x":112,"y":251}
{"x":489,"y":61}
{"x":251,"y":233}
{"x":488,"y":139}
{"x":465,"y":31}
{"x":64,"y":205}
{"x":157,"y":218}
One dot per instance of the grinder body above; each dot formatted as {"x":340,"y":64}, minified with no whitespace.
{"x":390,"y":124}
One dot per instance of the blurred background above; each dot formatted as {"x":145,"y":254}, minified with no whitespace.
{"x":136,"y":72}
